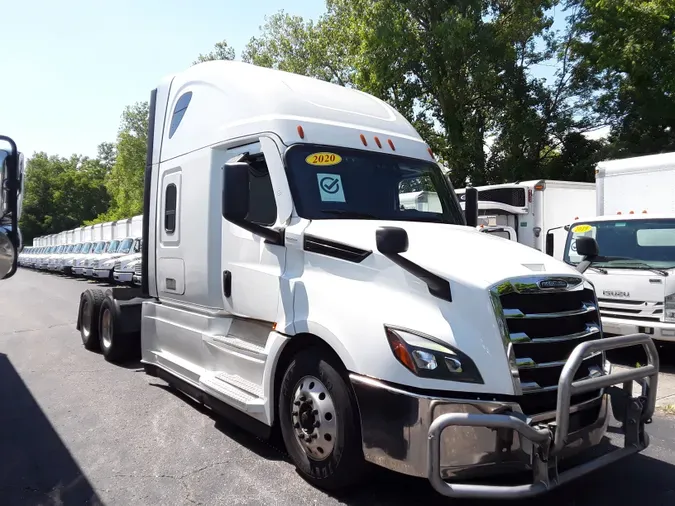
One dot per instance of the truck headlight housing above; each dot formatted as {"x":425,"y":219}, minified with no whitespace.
{"x":428,"y":357}
{"x":669,"y":309}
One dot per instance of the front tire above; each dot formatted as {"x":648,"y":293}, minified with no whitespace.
{"x":319,"y":422}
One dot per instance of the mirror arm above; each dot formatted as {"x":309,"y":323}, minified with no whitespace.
{"x":585,"y":264}
{"x":270,"y":235}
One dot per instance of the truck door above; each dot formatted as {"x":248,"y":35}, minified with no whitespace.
{"x":252,"y":267}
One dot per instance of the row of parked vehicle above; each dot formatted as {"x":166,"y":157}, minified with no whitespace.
{"x":116,"y":259}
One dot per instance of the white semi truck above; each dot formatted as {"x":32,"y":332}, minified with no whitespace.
{"x":529,"y":211}
{"x":124,"y":269}
{"x":284,"y":286}
{"x":634,"y":224}
{"x":11,"y":199}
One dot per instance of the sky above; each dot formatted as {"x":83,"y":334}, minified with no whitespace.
{"x":69,"y":67}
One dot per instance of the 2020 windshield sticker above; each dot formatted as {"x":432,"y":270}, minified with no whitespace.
{"x":323,"y":159}
{"x":330,"y":187}
{"x":580,"y":229}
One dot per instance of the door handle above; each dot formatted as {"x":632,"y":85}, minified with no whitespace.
{"x":227,"y":283}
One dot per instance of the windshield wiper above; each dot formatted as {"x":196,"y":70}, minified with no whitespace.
{"x":351,"y":214}
{"x":643,"y":265}
{"x":599,"y":269}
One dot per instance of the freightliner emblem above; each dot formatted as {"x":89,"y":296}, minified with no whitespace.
{"x":552,"y":283}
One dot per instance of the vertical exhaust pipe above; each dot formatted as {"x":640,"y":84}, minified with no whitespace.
{"x":471,"y":207}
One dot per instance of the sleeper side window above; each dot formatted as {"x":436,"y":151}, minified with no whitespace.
{"x":179,"y":112}
{"x":170,"y":209}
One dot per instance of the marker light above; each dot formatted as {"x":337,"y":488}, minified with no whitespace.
{"x":363,"y":139}
{"x":377,"y":141}
{"x":618,"y":212}
{"x":391,"y":145}
{"x":644,"y":212}
{"x":301,"y":132}
{"x":431,"y":153}
{"x":631,"y":212}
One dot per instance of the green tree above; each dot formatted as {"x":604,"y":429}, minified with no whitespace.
{"x":221,"y":51}
{"x":61,"y":194}
{"x":626,"y":51}
{"x":124,"y":181}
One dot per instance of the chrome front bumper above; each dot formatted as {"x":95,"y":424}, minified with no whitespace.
{"x":123,"y":277}
{"x":88,"y":272}
{"x":78,"y":270}
{"x":660,"y":331}
{"x":460,"y":439}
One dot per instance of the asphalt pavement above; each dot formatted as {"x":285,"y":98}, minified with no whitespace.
{"x":75,"y":429}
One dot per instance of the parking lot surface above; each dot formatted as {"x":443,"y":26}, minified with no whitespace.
{"x":75,"y":429}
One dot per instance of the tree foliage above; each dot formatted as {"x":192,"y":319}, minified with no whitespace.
{"x":61,"y":194}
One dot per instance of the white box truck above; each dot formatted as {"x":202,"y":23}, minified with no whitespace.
{"x":103,"y":266}
{"x":527,"y":211}
{"x":124,"y":270}
{"x":103,"y":236}
{"x":634,"y":225}
{"x":88,"y":244}
{"x":284,"y":286}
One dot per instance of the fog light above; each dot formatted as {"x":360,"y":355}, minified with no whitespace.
{"x":424,"y":360}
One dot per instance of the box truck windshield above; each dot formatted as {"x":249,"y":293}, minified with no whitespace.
{"x":627,"y":244}
{"x":125,"y":246}
{"x":329,"y":183}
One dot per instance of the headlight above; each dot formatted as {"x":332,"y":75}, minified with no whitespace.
{"x":428,"y":357}
{"x":669,"y":309}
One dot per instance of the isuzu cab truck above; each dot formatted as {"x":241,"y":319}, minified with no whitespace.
{"x":634,"y":224}
{"x":285,"y":286}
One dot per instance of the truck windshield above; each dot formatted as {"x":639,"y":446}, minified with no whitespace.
{"x":125,"y":246}
{"x":86,"y":247}
{"x":100,"y":247}
{"x":112,"y":247}
{"x":341,"y":183}
{"x":639,"y":244}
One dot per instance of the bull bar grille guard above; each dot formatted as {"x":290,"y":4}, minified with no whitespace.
{"x":548,"y":440}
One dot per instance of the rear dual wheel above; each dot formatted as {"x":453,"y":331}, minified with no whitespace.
{"x":99,"y":331}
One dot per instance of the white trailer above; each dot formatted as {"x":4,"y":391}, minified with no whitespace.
{"x":122,"y":229}
{"x":136,"y":226}
{"x":529,"y":211}
{"x":634,"y":226}
{"x":283,"y":286}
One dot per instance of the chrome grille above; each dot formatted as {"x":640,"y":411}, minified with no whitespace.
{"x":137,"y":269}
{"x":543,"y":319}
{"x":639,"y":310}
{"x":118,"y":265}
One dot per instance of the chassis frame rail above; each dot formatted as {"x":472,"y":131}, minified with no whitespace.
{"x":549,"y":440}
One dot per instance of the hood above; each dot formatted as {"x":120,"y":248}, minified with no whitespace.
{"x":455,"y":252}
{"x":128,"y":257}
{"x":637,"y":285}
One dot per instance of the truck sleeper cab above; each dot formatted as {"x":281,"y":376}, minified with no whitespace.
{"x":283,"y":283}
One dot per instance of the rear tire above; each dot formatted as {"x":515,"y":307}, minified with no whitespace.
{"x":115,"y":346}
{"x":319,"y":422}
{"x":90,"y":305}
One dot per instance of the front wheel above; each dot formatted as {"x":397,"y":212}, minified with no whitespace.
{"x":319,"y":422}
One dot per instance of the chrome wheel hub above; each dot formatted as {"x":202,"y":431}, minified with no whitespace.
{"x":314,"y":418}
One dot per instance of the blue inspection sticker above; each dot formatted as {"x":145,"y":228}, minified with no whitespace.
{"x":330,"y":187}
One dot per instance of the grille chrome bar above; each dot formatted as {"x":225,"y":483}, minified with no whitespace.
{"x":522,"y":337}
{"x":528,"y":363}
{"x":586,"y":307}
